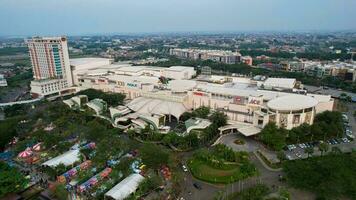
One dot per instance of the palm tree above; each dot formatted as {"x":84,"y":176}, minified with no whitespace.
{"x":309,"y":151}
{"x":336,"y":150}
{"x":323,"y":147}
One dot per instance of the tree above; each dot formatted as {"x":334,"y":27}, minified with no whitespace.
{"x":273,"y":137}
{"x":284,"y":193}
{"x":201,"y":112}
{"x":186,"y":115}
{"x":281,"y":155}
{"x":323,"y":147}
{"x":14,"y":110}
{"x":218,"y":118}
{"x":60,"y":192}
{"x":11,"y":180}
{"x":8,"y":131}
{"x":153,"y":156}
{"x":107,"y":147}
{"x":329,"y":177}
{"x":112,"y":99}
{"x":336,"y":150}
{"x":220,"y":195}
{"x":257,"y":192}
{"x":309,"y":151}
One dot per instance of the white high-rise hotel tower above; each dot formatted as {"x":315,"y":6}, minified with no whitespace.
{"x":50,"y":65}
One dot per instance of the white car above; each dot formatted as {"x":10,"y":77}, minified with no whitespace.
{"x":185,"y":169}
{"x":350,"y":136}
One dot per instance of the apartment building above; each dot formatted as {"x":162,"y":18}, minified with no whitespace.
{"x":227,"y":57}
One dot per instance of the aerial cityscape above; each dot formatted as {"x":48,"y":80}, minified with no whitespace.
{"x":178,"y":100}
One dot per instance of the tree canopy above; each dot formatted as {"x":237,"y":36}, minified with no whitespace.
{"x":273,"y":137}
{"x":11,"y":180}
{"x":330,"y":176}
{"x":153,"y":156}
{"x":112,"y":99}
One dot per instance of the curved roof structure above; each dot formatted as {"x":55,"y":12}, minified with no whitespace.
{"x":66,"y":158}
{"x":125,"y":187}
{"x":196,"y":123}
{"x":157,"y":106}
{"x":292,"y":102}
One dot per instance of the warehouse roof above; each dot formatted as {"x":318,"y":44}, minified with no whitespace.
{"x":280,"y":82}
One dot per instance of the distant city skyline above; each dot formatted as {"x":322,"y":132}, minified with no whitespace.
{"x":87,"y":17}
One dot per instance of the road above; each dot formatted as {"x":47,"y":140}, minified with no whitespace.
{"x":19,"y":102}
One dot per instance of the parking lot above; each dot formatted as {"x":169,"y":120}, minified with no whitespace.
{"x":345,"y":144}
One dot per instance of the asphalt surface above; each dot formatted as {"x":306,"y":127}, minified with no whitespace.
{"x":333,"y":92}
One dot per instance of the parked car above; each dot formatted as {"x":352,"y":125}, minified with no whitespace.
{"x":350,"y":136}
{"x":197,"y":186}
{"x":335,"y":141}
{"x":185,"y":169}
{"x":291,"y":147}
{"x":309,"y":145}
{"x":316,"y":143}
{"x":345,"y":140}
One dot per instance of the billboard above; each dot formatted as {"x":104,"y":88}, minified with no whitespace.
{"x":239,"y":100}
{"x":255,"y":100}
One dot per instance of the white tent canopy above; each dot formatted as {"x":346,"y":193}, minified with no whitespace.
{"x":125,"y":187}
{"x":67,"y":158}
{"x":157,"y":106}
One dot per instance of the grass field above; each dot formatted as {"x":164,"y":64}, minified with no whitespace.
{"x":227,"y":174}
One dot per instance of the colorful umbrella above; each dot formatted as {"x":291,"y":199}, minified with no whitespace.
{"x":25,"y":154}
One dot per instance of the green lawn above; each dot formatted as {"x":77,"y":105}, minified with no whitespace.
{"x":228,"y":174}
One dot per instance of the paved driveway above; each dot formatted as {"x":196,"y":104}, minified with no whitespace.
{"x":249,"y":146}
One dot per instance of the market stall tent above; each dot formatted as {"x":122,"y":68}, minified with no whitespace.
{"x":125,"y":187}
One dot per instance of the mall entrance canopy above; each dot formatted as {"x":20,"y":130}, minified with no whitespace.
{"x":243,"y":128}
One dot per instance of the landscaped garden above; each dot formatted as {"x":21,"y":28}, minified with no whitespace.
{"x":239,"y":142}
{"x":221,"y":165}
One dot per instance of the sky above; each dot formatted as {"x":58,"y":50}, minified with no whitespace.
{"x":76,"y":17}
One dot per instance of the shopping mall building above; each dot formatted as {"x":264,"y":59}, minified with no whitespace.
{"x":174,"y":90}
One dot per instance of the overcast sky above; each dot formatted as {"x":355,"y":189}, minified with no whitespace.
{"x":75,"y":17}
